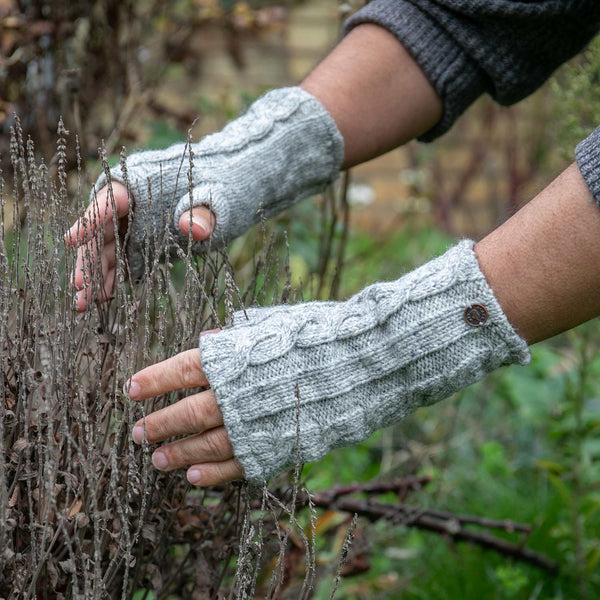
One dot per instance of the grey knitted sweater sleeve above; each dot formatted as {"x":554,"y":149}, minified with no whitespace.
{"x":469,"y":47}
{"x":587,"y":155}
{"x":300,"y":380}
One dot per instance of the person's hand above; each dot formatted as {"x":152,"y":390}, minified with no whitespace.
{"x":295,"y":381}
{"x":98,"y":220}
{"x":291,"y":382}
{"x":285,"y":147}
{"x":206,"y":451}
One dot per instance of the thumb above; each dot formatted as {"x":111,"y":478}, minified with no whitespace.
{"x":200,"y":219}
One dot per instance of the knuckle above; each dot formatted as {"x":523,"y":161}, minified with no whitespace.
{"x":153,"y":429}
{"x":216,"y":443}
{"x":238,"y":465}
{"x":193,"y":414}
{"x":221,"y":473}
{"x":188,"y":369}
{"x":153,"y":383}
{"x":230,"y":470}
{"x":238,"y":469}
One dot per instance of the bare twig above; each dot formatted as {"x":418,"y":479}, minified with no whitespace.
{"x":446,"y":524}
{"x":441,"y":522}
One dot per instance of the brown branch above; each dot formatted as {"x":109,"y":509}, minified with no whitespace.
{"x":428,"y":521}
{"x":441,"y":522}
{"x":503,"y":524}
{"x":399,"y":486}
{"x":335,"y":284}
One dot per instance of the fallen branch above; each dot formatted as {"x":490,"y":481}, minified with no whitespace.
{"x":441,"y":522}
{"x":398,"y":486}
{"x":451,"y":527}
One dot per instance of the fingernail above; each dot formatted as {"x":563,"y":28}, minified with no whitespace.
{"x":200,"y":227}
{"x":159,"y":460}
{"x":194,"y":476}
{"x":138,"y":434}
{"x":132,"y":389}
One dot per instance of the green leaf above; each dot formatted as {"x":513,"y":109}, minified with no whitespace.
{"x":563,"y":491}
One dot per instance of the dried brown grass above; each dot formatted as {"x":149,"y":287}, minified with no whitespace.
{"x":83,"y":512}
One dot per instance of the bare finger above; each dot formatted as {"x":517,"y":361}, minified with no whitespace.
{"x":99,"y":214}
{"x":184,"y":370}
{"x":215,"y":473}
{"x":83,"y":276}
{"x":109,"y":283}
{"x":193,"y":414}
{"x":87,"y":261}
{"x":200,"y":219}
{"x":211,"y":446}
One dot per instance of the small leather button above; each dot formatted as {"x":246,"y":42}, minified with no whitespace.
{"x":476,"y":315}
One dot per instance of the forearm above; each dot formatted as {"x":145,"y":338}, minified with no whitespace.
{"x":375,"y":92}
{"x":544,"y":263}
{"x":468,"y":47}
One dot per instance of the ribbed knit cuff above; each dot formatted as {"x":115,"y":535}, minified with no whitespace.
{"x":587,"y":155}
{"x":454,"y":76}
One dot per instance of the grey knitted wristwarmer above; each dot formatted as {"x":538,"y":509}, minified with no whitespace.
{"x":284,"y":148}
{"x":587,"y":155}
{"x":468,"y":47}
{"x":358,"y":365}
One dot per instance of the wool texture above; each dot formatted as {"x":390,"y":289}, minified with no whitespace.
{"x":284,"y":148}
{"x":350,"y":368}
{"x":467,"y":47}
{"x":587,"y":155}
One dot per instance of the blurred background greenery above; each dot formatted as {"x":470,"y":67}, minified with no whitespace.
{"x":522,"y":445}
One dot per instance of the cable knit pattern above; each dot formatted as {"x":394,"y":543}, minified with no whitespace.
{"x":284,"y":148}
{"x":359,"y":365}
{"x":466,"y":47}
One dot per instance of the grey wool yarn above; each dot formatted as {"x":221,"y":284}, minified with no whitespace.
{"x":284,"y":148}
{"x":349,"y":368}
{"x":587,"y":155}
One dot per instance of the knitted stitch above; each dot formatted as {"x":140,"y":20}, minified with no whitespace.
{"x":284,"y":148}
{"x":587,"y":155}
{"x":358,"y":365}
{"x":467,"y":47}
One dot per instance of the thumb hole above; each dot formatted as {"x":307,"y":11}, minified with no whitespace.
{"x":200,"y":219}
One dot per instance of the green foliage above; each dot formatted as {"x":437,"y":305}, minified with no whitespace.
{"x":162,"y":136}
{"x":515,"y":450}
{"x":577,"y":88}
